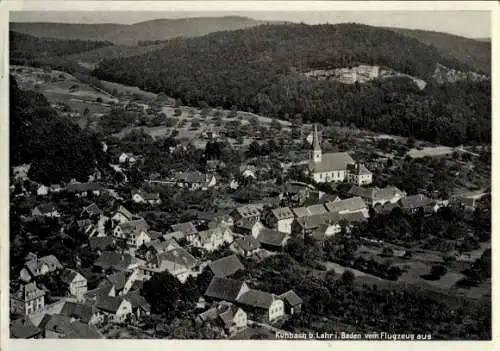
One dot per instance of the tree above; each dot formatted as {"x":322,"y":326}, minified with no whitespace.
{"x":348,"y":277}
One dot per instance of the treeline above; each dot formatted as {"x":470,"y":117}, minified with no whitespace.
{"x":57,"y":149}
{"x":259,"y":69}
{"x":28,"y":47}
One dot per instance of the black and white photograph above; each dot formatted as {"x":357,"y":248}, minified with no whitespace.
{"x":250,"y":175}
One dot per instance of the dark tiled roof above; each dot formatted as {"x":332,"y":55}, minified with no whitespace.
{"x":257,"y":298}
{"x":79,"y":311}
{"x":415,"y":201}
{"x":247,"y":243}
{"x":35,"y":265}
{"x":46,"y":208}
{"x":23,"y":328}
{"x":291,"y":297}
{"x":136,"y":300}
{"x":114,"y":260}
{"x":101,"y":242}
{"x":226,"y":266}
{"x":82,"y":187}
{"x":351,"y":204}
{"x":68,"y":275}
{"x":331,"y":162}
{"x":272,"y":237}
{"x":178,"y":256}
{"x":125,"y":212}
{"x":118,"y":280}
{"x":224,"y":289}
{"x":282,"y":213}
{"x":92,"y":209}
{"x":59,"y":324}
{"x":186,"y":228}
{"x":78,"y":330}
{"x":108,"y":303}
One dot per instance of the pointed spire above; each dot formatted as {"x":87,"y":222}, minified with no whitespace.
{"x":316,"y":143}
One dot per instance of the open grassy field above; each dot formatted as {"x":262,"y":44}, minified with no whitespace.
{"x":127,"y":90}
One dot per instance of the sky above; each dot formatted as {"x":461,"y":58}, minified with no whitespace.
{"x":472,"y":24}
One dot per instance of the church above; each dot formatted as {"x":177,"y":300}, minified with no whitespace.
{"x":336,"y":167}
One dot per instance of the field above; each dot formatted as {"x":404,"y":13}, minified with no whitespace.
{"x":127,"y":90}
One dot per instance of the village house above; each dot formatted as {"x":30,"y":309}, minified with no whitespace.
{"x":126,"y":229}
{"x":335,"y":167}
{"x":293,"y":303}
{"x":28,"y":300}
{"x":23,"y":328}
{"x":317,"y":209}
{"x":137,"y":238}
{"x":35,"y":267}
{"x":272,"y":239}
{"x":57,"y":326}
{"x":468,"y":200}
{"x":156,"y":247}
{"x":262,"y":306}
{"x":414,"y":203}
{"x":351,"y":205}
{"x":187,"y":228}
{"x":177,"y":236}
{"x":122,"y":215}
{"x":21,"y":172}
{"x":377,"y":196}
{"x":280,"y":219}
{"x":126,"y":157}
{"x":195,"y":180}
{"x":246,"y":245}
{"x":114,"y":308}
{"x":297,"y":193}
{"x":101,"y":243}
{"x":115,"y":261}
{"x":91,"y":211}
{"x":211,"y":239}
{"x":246,"y":212}
{"x":142,"y":197}
{"x":140,"y":307}
{"x":226,"y":266}
{"x":226,"y":315}
{"x":118,"y":283}
{"x":246,"y":226}
{"x":225,"y":289}
{"x":81,"y":312}
{"x":83,"y":189}
{"x":177,"y":262}
{"x":46,"y":210}
{"x":74,"y":283}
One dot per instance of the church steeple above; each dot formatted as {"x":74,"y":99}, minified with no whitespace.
{"x":316,"y":153}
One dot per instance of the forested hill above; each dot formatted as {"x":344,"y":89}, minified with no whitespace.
{"x":260,"y":69}
{"x":122,"y":34}
{"x":56,"y":147}
{"x":475,"y":53}
{"x":24,"y":46}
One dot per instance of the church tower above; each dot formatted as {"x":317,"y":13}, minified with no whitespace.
{"x":316,"y":152}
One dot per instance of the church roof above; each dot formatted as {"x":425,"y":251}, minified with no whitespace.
{"x":335,"y":161}
{"x":316,"y":143}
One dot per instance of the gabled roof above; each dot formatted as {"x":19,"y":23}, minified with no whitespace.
{"x":92,"y":209}
{"x":186,"y":228}
{"x":225,"y":311}
{"x":387,"y":193}
{"x":335,"y":161}
{"x":46,"y":208}
{"x":29,"y":292}
{"x":101,"y":242}
{"x":68,"y":275}
{"x":300,"y":212}
{"x":131,"y":227}
{"x":246,"y":223}
{"x":247,"y":243}
{"x":136,"y":300}
{"x":146,"y":195}
{"x":78,"y":330}
{"x":35,"y":265}
{"x":248,"y":211}
{"x":205,"y":236}
{"x":59,"y":324}
{"x":178,"y":256}
{"x":415,"y":201}
{"x":79,"y":311}
{"x":226,"y":266}
{"x":23,"y":328}
{"x":125,"y":212}
{"x":118,"y":280}
{"x":257,"y":298}
{"x":316,"y":209}
{"x":108,"y":303}
{"x":272,"y":237}
{"x":83,"y":187}
{"x":282,"y":213}
{"x":351,"y":204}
{"x":114,"y":260}
{"x":291,"y":297}
{"x":365,"y":193}
{"x":224,"y":289}
{"x":386,"y":208}
{"x":177,"y":235}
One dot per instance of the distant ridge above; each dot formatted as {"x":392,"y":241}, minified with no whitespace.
{"x":473,"y":52}
{"x":123,"y":34}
